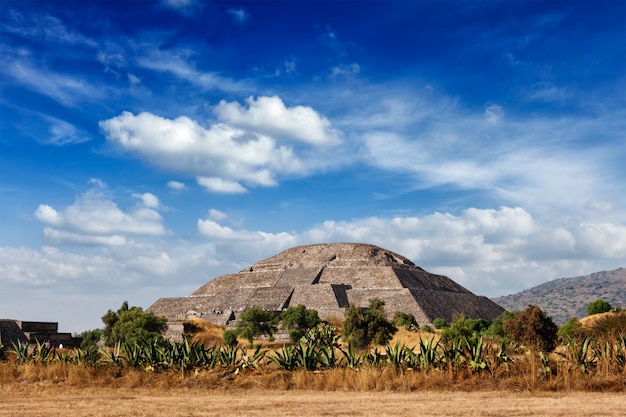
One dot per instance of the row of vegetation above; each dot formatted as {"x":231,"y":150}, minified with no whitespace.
{"x":523,"y":346}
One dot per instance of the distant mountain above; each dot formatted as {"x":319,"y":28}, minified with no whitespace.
{"x":568,"y":297}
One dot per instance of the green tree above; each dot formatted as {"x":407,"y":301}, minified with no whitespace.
{"x":597,"y":307}
{"x":90,"y":337}
{"x":363,"y":326}
{"x":256,"y":321}
{"x":132,"y":324}
{"x":299,"y":320}
{"x":532,"y":328}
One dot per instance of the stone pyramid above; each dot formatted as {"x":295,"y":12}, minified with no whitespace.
{"x":328,"y":278}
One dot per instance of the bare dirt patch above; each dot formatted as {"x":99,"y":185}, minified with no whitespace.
{"x":42,"y":400}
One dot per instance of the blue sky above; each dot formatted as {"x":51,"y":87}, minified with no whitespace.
{"x":149,"y":146}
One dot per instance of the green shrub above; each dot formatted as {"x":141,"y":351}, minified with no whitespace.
{"x":363,"y":326}
{"x":570,"y":329}
{"x":597,"y":307}
{"x":405,"y":320}
{"x":462,"y":328}
{"x":440,"y":323}
{"x":299,"y":320}
{"x":230,"y":338}
{"x":427,"y":328}
{"x":91,"y":337}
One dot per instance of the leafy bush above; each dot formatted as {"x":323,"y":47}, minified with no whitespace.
{"x":462,"y":328}
{"x":299,"y":320}
{"x":427,"y":328}
{"x":597,"y":307}
{"x":405,"y":320}
{"x":440,"y":323}
{"x":91,"y":337}
{"x":363,"y":326}
{"x":230,"y":338}
{"x":570,"y":329}
{"x":532,"y":328}
{"x":132,"y":325}
{"x":256,"y":321}
{"x":495,"y":328}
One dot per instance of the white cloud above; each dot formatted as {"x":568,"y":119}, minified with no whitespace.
{"x":220,"y":185}
{"x":270,"y":116}
{"x":226,"y":158}
{"x":47,"y":214}
{"x":176,"y":185}
{"x":61,"y":237}
{"x":241,"y":15}
{"x":149,"y":200}
{"x":94,"y":219}
{"x":217,"y":215}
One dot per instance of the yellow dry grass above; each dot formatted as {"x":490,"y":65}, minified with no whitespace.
{"x":590,"y":321}
{"x":207,"y":333}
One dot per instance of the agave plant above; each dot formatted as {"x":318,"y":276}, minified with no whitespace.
{"x":251,"y":361}
{"x":114,"y":357}
{"x":352,"y":359}
{"x":580,"y":353}
{"x":428,"y":356}
{"x":473,"y":352}
{"x":286,"y":359}
{"x":20,"y":351}
{"x":396,"y":355}
{"x":327,"y":357}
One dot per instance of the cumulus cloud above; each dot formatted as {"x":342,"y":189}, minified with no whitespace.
{"x":269,"y":115}
{"x":217,"y":215}
{"x":95,"y":220}
{"x":220,"y":185}
{"x":148,"y":200}
{"x":248,"y":150}
{"x":176,"y":185}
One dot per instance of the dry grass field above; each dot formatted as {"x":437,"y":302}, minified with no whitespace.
{"x":39,"y":386}
{"x":51,"y":401}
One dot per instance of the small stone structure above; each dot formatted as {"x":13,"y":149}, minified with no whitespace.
{"x":327,"y":278}
{"x":31,"y":332}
